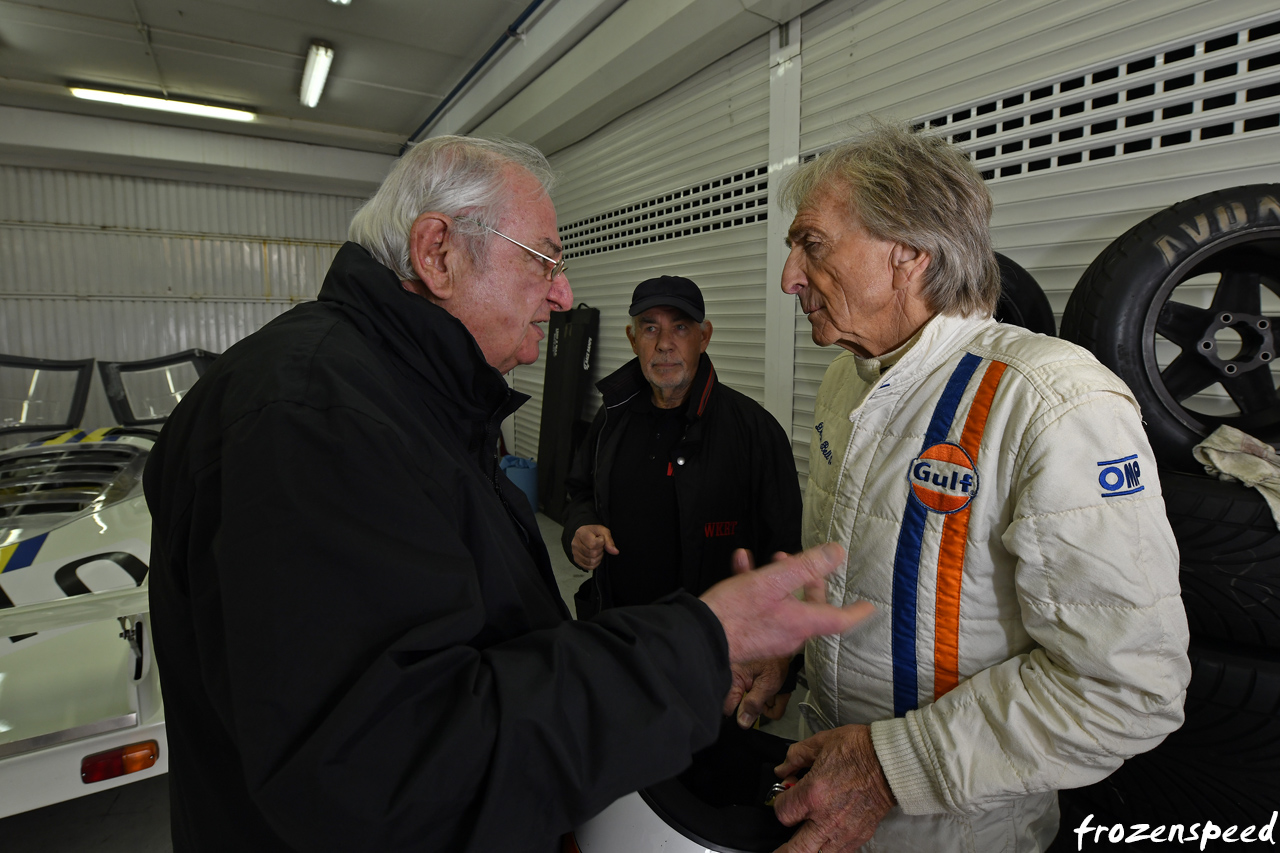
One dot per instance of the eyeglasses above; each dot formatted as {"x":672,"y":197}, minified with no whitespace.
{"x":555,"y":267}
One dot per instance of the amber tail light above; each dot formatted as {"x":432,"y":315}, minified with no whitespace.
{"x":119,"y":761}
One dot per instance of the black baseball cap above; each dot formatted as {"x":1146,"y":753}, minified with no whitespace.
{"x":673,"y":290}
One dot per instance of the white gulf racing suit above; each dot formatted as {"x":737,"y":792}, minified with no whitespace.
{"x":1000,"y":505}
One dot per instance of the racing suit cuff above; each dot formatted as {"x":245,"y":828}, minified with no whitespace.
{"x":905,"y":763}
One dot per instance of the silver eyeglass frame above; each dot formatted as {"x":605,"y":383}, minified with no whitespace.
{"x":557,"y":268}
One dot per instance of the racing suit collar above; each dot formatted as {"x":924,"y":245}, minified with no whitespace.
{"x":930,"y":346}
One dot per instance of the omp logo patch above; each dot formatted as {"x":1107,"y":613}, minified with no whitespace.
{"x":1120,"y":477}
{"x":943,"y":478}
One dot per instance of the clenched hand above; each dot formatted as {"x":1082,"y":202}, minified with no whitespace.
{"x":590,"y":541}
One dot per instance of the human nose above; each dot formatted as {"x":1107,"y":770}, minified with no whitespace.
{"x":793,"y":278}
{"x":561,"y":293}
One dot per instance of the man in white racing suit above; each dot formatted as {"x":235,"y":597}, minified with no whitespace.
{"x":1000,"y":506}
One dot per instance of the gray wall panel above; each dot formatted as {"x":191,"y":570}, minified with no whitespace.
{"x":122,"y":268}
{"x":117,"y":202}
{"x":712,"y":124}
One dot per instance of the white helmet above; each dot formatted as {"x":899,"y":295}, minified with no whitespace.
{"x":717,"y":805}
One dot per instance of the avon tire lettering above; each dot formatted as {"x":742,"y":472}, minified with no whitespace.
{"x":1221,"y":220}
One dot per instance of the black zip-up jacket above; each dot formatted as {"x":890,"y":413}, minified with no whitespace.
{"x":736,"y":482}
{"x":360,"y":640}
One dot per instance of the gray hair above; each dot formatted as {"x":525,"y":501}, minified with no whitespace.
{"x":920,"y":190}
{"x":453,"y":175}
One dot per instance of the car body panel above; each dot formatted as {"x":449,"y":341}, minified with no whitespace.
{"x":77,"y":673}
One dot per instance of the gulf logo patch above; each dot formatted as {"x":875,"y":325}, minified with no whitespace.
{"x":943,"y":478}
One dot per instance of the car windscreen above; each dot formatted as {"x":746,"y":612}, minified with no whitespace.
{"x":146,"y":392}
{"x":42,"y":395}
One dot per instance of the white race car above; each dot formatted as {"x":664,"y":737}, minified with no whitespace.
{"x":80,"y":704}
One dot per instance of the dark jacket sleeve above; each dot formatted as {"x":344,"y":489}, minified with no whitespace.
{"x":580,"y":509}
{"x":778,"y":489}
{"x":371,"y":707}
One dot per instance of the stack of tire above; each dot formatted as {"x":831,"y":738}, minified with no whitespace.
{"x":1135,"y":307}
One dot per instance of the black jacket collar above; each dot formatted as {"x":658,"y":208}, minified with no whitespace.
{"x":429,"y":340}
{"x":628,"y":380}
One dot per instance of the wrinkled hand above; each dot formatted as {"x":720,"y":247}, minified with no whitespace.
{"x":590,"y":541}
{"x":842,"y":798}
{"x":754,"y":686}
{"x":762,"y":619}
{"x":754,"y":690}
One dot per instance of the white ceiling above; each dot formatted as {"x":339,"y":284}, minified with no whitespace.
{"x":575,"y":65}
{"x":395,"y":60}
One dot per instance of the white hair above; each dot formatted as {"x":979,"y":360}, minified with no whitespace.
{"x":454,"y":175}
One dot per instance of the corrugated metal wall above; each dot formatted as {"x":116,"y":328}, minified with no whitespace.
{"x":913,"y":59}
{"x":124,"y":268}
{"x":711,"y":126}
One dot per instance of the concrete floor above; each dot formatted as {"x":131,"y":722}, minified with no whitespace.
{"x":135,"y":818}
{"x":129,"y":819}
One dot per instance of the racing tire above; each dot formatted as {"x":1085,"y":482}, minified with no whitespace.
{"x":1125,"y":302}
{"x":1223,"y":765}
{"x":1230,"y":558}
{"x":1022,"y":301}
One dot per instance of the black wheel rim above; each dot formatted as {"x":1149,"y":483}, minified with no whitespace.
{"x":1246,"y":264}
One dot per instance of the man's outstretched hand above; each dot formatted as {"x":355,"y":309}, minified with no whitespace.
{"x":762,"y":619}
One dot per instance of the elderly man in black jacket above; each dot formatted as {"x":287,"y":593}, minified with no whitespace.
{"x":678,"y":470}
{"x":360,"y":640}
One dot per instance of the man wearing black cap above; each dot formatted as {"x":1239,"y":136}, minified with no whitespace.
{"x":678,"y":470}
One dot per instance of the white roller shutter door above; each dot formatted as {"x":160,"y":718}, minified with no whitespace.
{"x":674,"y":187}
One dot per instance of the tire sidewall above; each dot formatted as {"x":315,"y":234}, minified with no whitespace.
{"x":1022,"y":300}
{"x":1131,"y":279}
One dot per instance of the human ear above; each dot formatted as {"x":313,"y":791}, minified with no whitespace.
{"x":706,"y":334}
{"x":631,"y":338}
{"x":909,"y":265}
{"x":431,"y":254}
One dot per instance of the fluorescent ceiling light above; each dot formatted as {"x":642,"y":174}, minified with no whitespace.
{"x":319,"y":58}
{"x":341,"y":2}
{"x":165,"y":104}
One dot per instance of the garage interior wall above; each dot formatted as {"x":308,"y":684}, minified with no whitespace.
{"x":675,"y":187}
{"x":126,"y":268}
{"x":939,"y":62}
